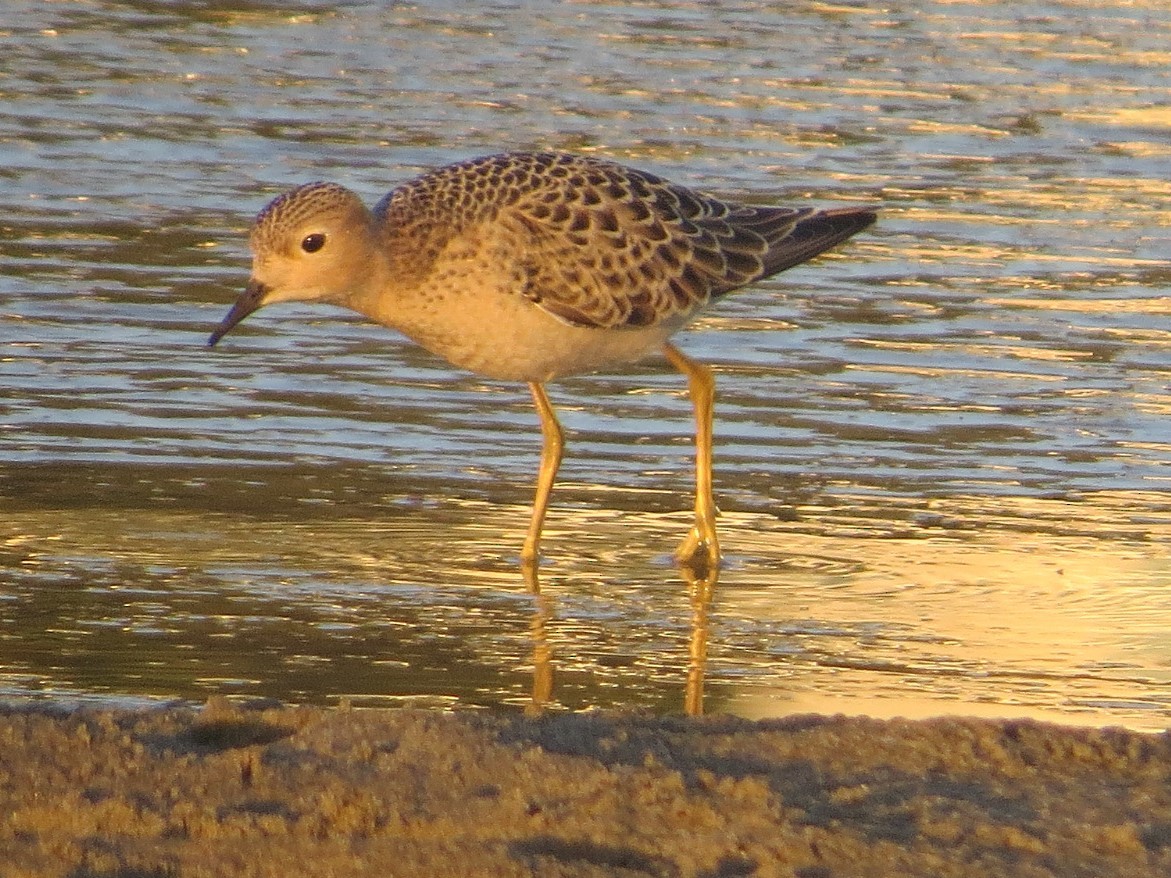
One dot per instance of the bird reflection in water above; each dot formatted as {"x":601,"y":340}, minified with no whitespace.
{"x":701,"y":583}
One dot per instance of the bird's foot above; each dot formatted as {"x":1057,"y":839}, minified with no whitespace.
{"x":699,"y":550}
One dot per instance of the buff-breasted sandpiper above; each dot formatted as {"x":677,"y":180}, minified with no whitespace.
{"x":533,"y":266}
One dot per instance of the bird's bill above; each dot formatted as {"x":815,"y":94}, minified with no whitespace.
{"x":251,"y":299}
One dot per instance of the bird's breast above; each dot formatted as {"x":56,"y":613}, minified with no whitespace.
{"x":504,"y":336}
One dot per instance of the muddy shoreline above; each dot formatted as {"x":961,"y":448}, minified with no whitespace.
{"x":269,"y":790}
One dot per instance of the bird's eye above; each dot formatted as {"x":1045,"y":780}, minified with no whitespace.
{"x":313,"y":243}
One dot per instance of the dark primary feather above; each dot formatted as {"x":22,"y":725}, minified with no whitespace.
{"x":814,"y":232}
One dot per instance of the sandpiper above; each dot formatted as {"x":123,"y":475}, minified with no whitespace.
{"x":530,"y":266}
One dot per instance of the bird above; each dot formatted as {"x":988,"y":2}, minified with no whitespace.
{"x":533,"y":266}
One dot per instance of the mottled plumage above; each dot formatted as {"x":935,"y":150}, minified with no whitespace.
{"x":607,"y":246}
{"x":531,"y":266}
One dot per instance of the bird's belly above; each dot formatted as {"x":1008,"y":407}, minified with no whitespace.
{"x":527,"y":344}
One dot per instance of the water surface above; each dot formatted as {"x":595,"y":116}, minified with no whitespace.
{"x":942,"y":452}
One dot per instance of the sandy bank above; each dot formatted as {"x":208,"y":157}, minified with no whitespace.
{"x":308,"y":792}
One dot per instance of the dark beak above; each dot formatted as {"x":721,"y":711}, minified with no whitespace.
{"x":251,"y":299}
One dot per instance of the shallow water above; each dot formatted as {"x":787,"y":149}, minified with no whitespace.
{"x":942,"y":452}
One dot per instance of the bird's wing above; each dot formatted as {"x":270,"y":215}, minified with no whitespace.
{"x":612,"y":247}
{"x":599,"y":244}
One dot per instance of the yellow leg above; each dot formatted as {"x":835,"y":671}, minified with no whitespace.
{"x":554,"y":443}
{"x":701,"y":545}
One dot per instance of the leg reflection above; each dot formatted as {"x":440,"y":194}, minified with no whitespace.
{"x":701,"y":584}
{"x":542,"y":654}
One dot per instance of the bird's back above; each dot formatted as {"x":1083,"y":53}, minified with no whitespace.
{"x":602,"y":245}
